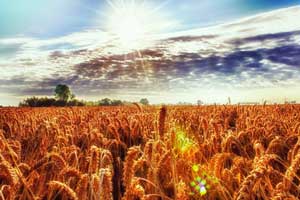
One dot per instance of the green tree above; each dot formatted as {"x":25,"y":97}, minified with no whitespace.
{"x":116,"y":103}
{"x":63,"y":93}
{"x":105,"y":102}
{"x":144,"y":101}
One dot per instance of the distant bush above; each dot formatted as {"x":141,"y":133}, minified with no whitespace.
{"x":144,"y":101}
{"x":48,"y":102}
{"x":109,"y":102}
{"x":76,"y":102}
{"x":65,"y":97}
{"x":36,"y":102}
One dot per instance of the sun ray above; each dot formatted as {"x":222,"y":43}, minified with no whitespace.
{"x":160,"y":6}
{"x":111,"y":4}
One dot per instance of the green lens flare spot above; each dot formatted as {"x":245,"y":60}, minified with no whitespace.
{"x":183,"y":142}
{"x":195,"y":168}
{"x":193,"y":184}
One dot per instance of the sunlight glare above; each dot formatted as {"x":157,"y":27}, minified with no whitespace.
{"x":132,"y":23}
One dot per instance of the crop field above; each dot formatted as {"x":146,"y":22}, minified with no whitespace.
{"x":150,"y":153}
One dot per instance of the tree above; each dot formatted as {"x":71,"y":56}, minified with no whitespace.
{"x":199,"y":103}
{"x":116,"y":103}
{"x":63,"y":93}
{"x":105,"y":102}
{"x":144,"y":101}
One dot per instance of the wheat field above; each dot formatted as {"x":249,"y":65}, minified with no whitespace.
{"x":150,"y":153}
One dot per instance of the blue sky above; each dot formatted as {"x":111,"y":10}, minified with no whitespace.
{"x":52,"y":18}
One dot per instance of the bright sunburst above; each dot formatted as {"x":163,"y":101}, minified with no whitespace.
{"x":132,"y":22}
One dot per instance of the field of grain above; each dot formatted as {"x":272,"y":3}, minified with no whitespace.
{"x":153,"y":153}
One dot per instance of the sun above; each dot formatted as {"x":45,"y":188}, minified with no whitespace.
{"x":132,"y":23}
{"x":128,"y":27}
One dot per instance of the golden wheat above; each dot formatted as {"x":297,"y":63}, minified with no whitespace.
{"x":150,"y":152}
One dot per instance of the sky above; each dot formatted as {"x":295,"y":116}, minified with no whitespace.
{"x":52,"y":18}
{"x":176,"y":50}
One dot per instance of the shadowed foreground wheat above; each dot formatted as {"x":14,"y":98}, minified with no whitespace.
{"x":150,"y":153}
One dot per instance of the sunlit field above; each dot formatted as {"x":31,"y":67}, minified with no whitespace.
{"x":143,"y":152}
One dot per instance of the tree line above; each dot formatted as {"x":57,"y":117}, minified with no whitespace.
{"x":64,"y":97}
